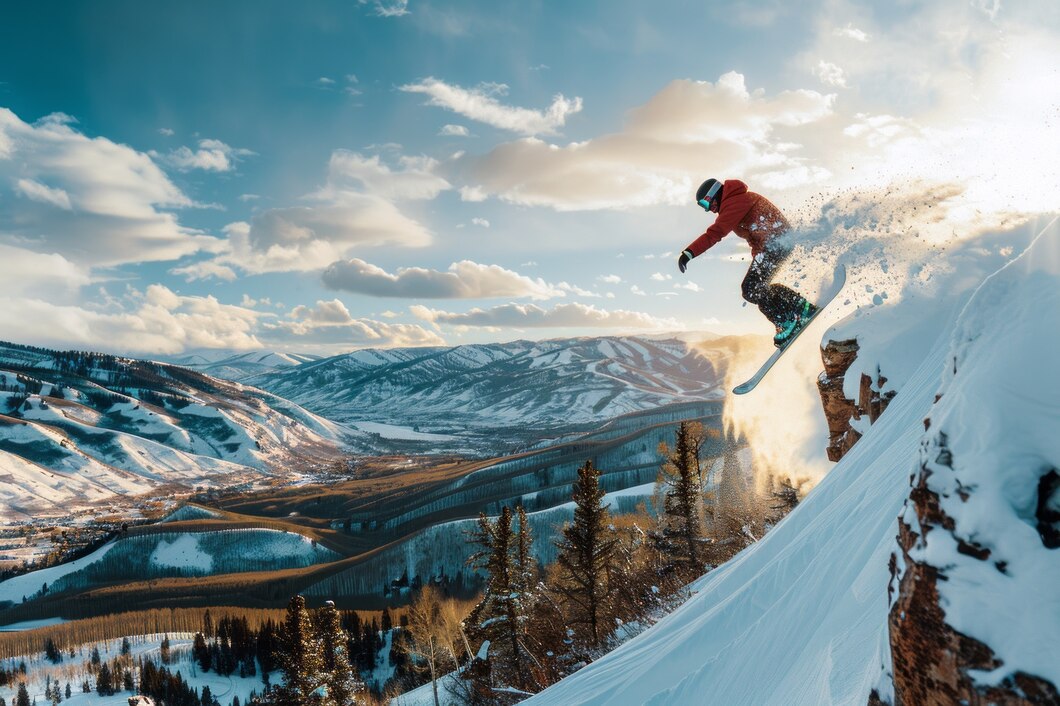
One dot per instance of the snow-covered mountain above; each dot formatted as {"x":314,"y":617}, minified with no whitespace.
{"x":239,"y":365}
{"x":836,"y":605}
{"x":80,"y":428}
{"x":503,"y":395}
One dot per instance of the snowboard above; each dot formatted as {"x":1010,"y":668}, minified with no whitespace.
{"x":828,"y":293}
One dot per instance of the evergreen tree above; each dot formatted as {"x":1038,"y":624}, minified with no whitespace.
{"x":586,"y":560}
{"x":201,"y":651}
{"x":164,"y":650}
{"x":69,"y":691}
{"x":682,"y":530}
{"x":127,"y":683}
{"x":343,"y":684}
{"x":126,"y":648}
{"x":52,"y":652}
{"x":22,"y":699}
{"x":299,"y":656}
{"x":104,"y":681}
{"x":499,"y":618}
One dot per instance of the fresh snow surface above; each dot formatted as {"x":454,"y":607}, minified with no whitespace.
{"x":800,"y":617}
{"x":31,"y":624}
{"x":28,"y":584}
{"x":1000,"y":414}
{"x":182,"y":552}
{"x":393,"y":431}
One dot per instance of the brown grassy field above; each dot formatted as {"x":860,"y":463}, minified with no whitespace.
{"x":383,"y":489}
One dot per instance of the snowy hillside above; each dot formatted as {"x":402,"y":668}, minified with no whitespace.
{"x":500,"y":395}
{"x":75,"y":429}
{"x":238,"y":366}
{"x":801,"y":617}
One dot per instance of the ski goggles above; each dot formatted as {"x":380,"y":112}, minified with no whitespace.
{"x":711,"y":193}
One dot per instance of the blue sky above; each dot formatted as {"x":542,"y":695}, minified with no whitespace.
{"x":332,"y":175}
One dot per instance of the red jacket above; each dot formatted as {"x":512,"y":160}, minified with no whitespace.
{"x":751,"y":215}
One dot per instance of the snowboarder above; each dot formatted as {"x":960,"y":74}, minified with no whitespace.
{"x":764,"y":227}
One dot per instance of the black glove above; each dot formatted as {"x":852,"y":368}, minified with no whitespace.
{"x":682,"y":262}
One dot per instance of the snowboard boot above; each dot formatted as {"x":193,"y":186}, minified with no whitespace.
{"x":787,"y":329}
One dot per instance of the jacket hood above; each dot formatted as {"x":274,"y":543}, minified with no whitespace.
{"x":733,"y":187}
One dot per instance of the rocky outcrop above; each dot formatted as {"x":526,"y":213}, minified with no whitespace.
{"x":838,"y":356}
{"x":931,"y":660}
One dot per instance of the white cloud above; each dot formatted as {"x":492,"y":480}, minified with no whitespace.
{"x":610,"y":279}
{"x":211,"y":156}
{"x":638,"y":291}
{"x":576,"y":290}
{"x":303,"y":238}
{"x":480,"y":103}
{"x":481,"y":222}
{"x":660,"y":277}
{"x":157,"y":321}
{"x":851,"y":32}
{"x":463,"y":280}
{"x":204,"y":270}
{"x":249,"y":302}
{"x":690,"y":286}
{"x":40,"y":193}
{"x":325,"y":81}
{"x":414,"y":178}
{"x":71,"y":190}
{"x":532,"y":316}
{"x":877,"y":130}
{"x":354,"y":209}
{"x":473,"y":194}
{"x":249,"y":197}
{"x":48,"y":276}
{"x":352,"y":78}
{"x":329,"y":324}
{"x":166,"y":131}
{"x":830,"y":74}
{"x":454,"y":131}
{"x":659,"y":157}
{"x":388,"y":8}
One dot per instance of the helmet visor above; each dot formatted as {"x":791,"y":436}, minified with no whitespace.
{"x":708,"y":198}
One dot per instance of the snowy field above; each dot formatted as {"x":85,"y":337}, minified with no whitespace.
{"x":70,"y":669}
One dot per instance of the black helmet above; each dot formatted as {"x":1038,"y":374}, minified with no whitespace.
{"x":709,"y":190}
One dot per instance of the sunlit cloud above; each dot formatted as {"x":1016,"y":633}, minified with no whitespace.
{"x":660,"y":156}
{"x":67,"y":189}
{"x":480,"y":103}
{"x":463,"y":280}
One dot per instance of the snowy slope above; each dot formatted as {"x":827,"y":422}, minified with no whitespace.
{"x":801,"y":616}
{"x":75,"y":430}
{"x":237,"y":366}
{"x":500,"y":395}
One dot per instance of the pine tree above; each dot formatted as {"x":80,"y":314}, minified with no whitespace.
{"x":499,"y":618}
{"x":201,"y":651}
{"x":22,"y":699}
{"x":299,"y":656}
{"x":104,"y":681}
{"x":682,"y":531}
{"x":126,"y":648}
{"x":586,"y":560}
{"x":343,"y":684}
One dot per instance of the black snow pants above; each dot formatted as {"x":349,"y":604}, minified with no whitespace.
{"x":777,"y":302}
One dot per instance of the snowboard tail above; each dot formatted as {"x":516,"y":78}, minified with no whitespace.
{"x":827,"y":295}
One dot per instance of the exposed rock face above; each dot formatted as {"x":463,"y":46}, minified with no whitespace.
{"x":931,"y":660}
{"x":838,"y":356}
